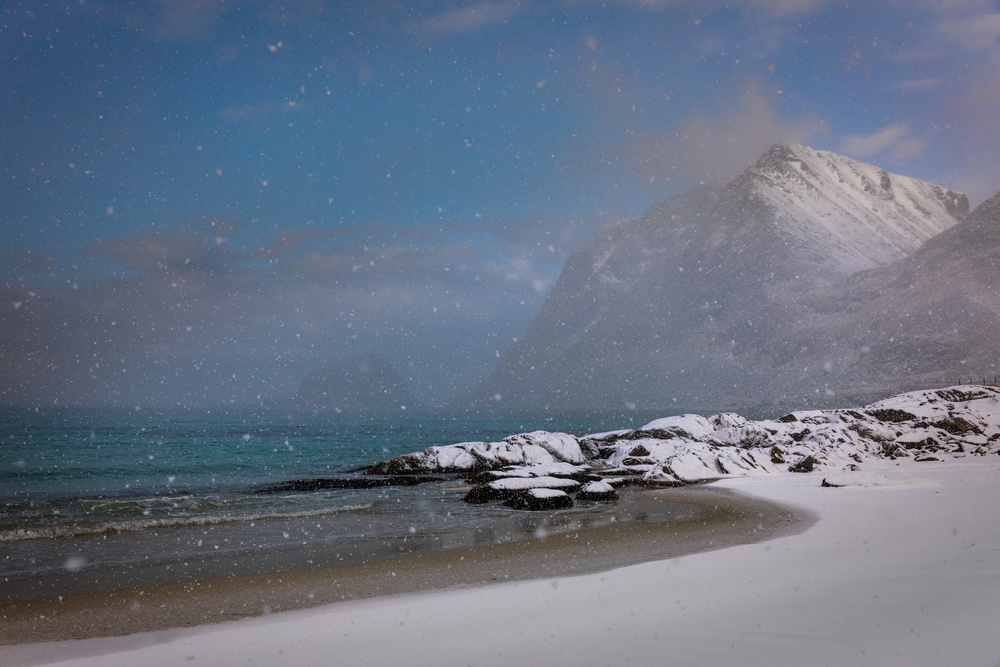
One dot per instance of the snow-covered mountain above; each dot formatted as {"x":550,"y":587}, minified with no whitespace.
{"x":845,"y":216}
{"x":730,"y":295}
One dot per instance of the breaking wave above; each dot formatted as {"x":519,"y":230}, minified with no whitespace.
{"x":137,"y":525}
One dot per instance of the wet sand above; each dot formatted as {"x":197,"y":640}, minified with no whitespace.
{"x":720,"y":519}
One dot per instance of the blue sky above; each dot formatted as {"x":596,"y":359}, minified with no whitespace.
{"x":202,"y":201}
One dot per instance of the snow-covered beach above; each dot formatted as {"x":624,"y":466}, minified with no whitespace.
{"x":900,"y":567}
{"x":902,"y":572}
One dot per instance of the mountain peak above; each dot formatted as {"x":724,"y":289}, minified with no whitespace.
{"x":848,"y":215}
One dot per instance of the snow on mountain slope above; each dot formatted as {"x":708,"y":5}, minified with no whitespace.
{"x":926,"y":319}
{"x":693,"y":303}
{"x":846,"y":215}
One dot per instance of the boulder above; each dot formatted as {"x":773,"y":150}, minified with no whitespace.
{"x":805,"y":464}
{"x":598,"y":491}
{"x":503,"y":489}
{"x":535,"y":500}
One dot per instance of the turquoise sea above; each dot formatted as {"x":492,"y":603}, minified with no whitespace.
{"x":94,"y":499}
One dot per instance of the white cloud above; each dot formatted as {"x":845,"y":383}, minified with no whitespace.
{"x":975,"y":33}
{"x":468,"y":19}
{"x":894,"y":140}
{"x":913,"y":85}
{"x":978,"y":132}
{"x":777,"y":8}
{"x":786,"y":7}
{"x":709,"y":148}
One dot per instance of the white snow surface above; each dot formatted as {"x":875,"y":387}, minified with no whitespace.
{"x":542,"y":470}
{"x":524,"y":483}
{"x":544,"y":493}
{"x":601,"y":486}
{"x":854,"y":216}
{"x":562,"y":446}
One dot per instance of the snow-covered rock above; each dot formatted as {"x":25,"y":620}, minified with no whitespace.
{"x":539,"y":499}
{"x":680,"y":426}
{"x":601,"y":490}
{"x":501,"y":489}
{"x":525,"y":449}
{"x":926,"y":425}
{"x":558,"y":469}
{"x":561,"y":446}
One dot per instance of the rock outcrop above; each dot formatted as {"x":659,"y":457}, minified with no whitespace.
{"x":927,"y":425}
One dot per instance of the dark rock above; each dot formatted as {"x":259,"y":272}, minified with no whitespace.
{"x":891,"y":415}
{"x":414,"y":464}
{"x":590,"y":448}
{"x":582,"y":477}
{"x":959,"y":396}
{"x":630,"y":480}
{"x":484,"y":493}
{"x":788,"y":419}
{"x":485,"y":477}
{"x":639,"y":450}
{"x":527,"y":500}
{"x":798,"y":437}
{"x":957,"y":426}
{"x":777,"y":455}
{"x":926,"y":442}
{"x":926,"y":458}
{"x":631,"y":461}
{"x":804,"y":464}
{"x":320,"y":484}
{"x":893,"y":450}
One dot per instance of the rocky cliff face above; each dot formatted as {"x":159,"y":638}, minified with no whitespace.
{"x":720,"y":297}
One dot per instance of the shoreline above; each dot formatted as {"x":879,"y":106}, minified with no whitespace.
{"x":726,"y":518}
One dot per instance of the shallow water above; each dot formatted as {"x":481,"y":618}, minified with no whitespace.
{"x":95,"y":500}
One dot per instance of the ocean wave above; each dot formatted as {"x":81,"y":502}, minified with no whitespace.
{"x":77,"y":530}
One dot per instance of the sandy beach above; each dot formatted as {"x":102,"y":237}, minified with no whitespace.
{"x":902,"y":567}
{"x":705,"y":518}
